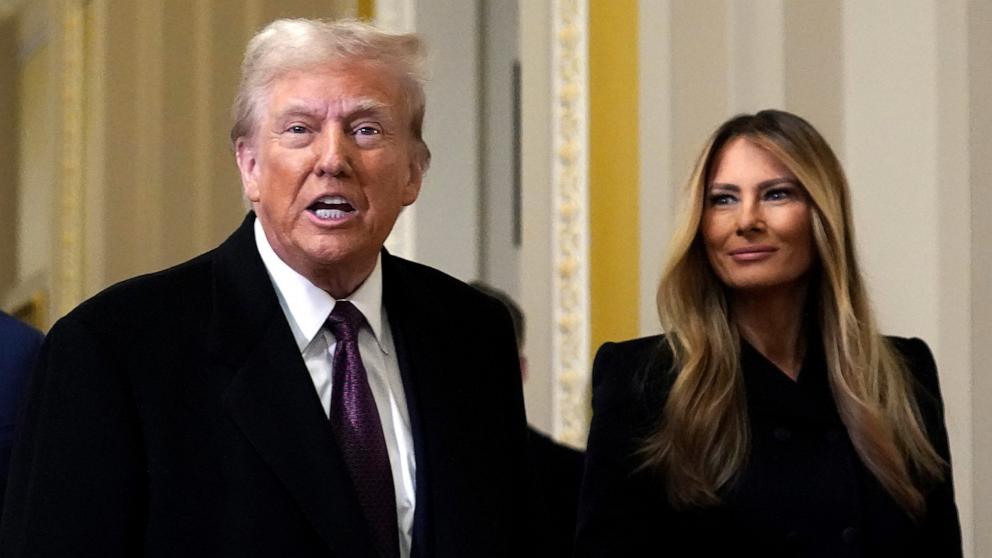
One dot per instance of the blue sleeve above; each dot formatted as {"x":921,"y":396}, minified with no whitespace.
{"x":19,"y":346}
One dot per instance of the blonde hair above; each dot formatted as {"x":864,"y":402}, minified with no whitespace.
{"x":703,"y":439}
{"x":299,"y":44}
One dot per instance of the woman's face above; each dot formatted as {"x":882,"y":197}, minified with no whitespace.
{"x":756,"y":220}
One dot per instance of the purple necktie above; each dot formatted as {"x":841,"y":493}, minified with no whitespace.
{"x":356,"y":426}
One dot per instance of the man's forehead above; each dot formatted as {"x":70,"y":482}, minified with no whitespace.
{"x":353,"y":86}
{"x":339,"y":105}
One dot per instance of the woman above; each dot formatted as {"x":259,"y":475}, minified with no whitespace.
{"x":772,"y":419}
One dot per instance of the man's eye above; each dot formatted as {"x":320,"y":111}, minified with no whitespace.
{"x":297,"y":129}
{"x":367,"y":131}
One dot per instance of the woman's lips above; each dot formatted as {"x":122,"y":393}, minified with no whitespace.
{"x":752,"y":253}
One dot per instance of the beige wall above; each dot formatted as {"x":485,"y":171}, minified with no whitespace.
{"x":979,"y":41}
{"x":9,"y":154}
{"x":907,"y":153}
{"x":535,"y":259}
{"x":28,"y":154}
{"x":36,"y":174}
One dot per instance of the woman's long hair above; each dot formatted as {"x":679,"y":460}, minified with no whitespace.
{"x":703,"y":438}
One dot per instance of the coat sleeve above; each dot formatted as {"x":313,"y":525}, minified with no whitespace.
{"x":619,"y":503}
{"x":941,"y":529}
{"x":19,"y":347}
{"x":76,"y":483}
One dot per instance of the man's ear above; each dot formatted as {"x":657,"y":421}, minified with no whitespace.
{"x":412,"y":188}
{"x":244,"y":152}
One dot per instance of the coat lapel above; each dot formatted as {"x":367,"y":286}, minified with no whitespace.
{"x":448,"y":371}
{"x":272,"y":399}
{"x":422,"y":333}
{"x":416,"y":361}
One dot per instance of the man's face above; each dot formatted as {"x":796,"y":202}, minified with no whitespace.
{"x":329,"y":169}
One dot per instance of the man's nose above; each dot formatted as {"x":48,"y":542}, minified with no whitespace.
{"x":749,"y":217}
{"x":333,"y":153}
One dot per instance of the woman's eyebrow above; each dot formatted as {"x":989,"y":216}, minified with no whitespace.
{"x":725,"y":186}
{"x":766,"y":184}
{"x":763,"y":185}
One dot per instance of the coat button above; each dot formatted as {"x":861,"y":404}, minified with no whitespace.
{"x":850,"y":535}
{"x":782,"y":434}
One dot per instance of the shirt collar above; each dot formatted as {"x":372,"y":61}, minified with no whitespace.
{"x":307,"y":306}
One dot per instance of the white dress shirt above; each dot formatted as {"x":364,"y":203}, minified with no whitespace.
{"x":307,"y":307}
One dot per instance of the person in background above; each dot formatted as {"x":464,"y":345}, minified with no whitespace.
{"x":19,"y":344}
{"x":556,"y":468}
{"x":297,"y":391}
{"x":772,"y":419}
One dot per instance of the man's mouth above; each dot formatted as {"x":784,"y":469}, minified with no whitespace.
{"x":331,"y":208}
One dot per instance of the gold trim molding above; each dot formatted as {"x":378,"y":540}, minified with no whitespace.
{"x":70,"y":249}
{"x":570,"y":222}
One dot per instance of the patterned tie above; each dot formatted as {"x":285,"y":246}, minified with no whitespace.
{"x":356,"y":426}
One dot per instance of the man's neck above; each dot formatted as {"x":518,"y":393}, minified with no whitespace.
{"x":340,"y":283}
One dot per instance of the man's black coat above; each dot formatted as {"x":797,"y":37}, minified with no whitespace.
{"x":172,"y":415}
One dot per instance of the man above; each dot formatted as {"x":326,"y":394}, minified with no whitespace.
{"x":18,"y":347}
{"x":297,"y":391}
{"x":555,"y":469}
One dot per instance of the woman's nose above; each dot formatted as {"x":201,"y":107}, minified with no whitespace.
{"x":749,"y":217}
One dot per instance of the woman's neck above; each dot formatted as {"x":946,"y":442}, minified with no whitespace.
{"x":772,"y":322}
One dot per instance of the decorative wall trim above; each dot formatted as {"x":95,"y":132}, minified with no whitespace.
{"x":71,"y":209}
{"x":570,"y":221}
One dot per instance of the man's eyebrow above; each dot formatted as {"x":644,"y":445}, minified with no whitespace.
{"x":299,"y":109}
{"x":353,"y":108}
{"x":366,"y":106}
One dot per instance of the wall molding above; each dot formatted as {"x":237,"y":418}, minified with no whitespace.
{"x":570,"y":221}
{"x":71,"y":210}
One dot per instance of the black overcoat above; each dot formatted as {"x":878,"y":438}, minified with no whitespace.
{"x":802,"y":492}
{"x":172,"y":415}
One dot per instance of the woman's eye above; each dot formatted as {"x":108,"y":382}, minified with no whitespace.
{"x":721,"y":199}
{"x":297,"y":129}
{"x":777,"y":194}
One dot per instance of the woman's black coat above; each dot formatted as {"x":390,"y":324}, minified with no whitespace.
{"x":802,"y":492}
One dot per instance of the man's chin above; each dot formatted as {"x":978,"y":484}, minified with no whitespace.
{"x":323,"y":258}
